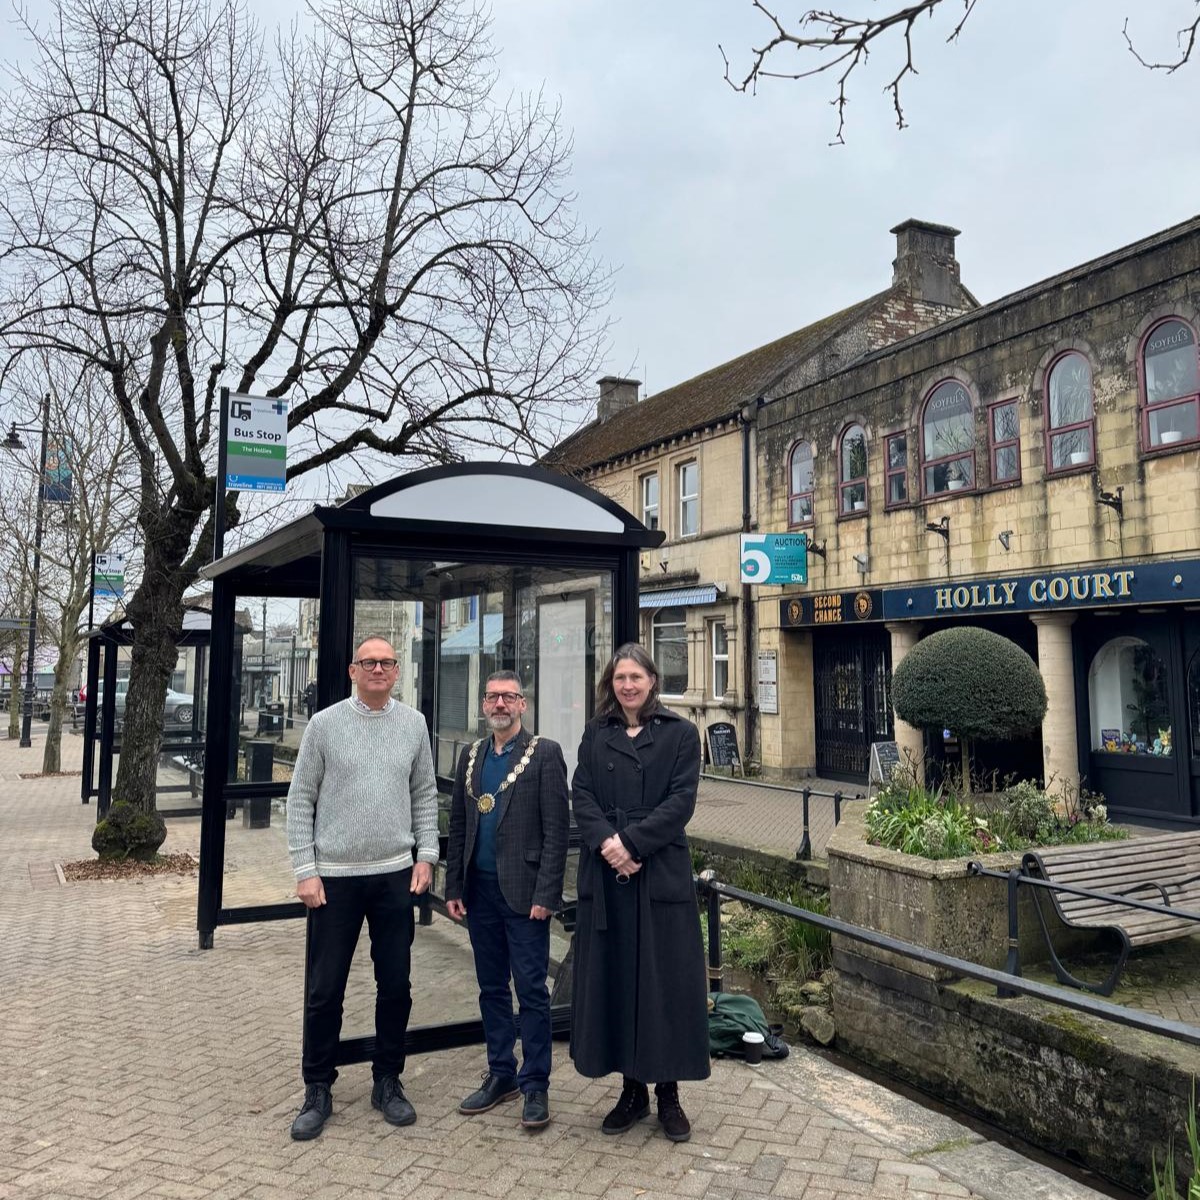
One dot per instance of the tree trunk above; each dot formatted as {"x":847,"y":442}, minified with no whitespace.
{"x":52,"y":755}
{"x":14,"y":695}
{"x":964,"y":745}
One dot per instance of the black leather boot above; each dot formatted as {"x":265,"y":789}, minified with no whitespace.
{"x":633,"y":1105}
{"x":670,"y":1113}
{"x":310,"y":1120}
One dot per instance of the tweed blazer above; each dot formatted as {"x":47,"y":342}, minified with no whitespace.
{"x":531,"y":829}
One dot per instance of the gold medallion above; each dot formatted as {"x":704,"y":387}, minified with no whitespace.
{"x":486,"y":802}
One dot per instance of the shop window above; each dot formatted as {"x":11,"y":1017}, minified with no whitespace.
{"x":720,"y":660}
{"x":947,"y":440}
{"x":668,"y":639}
{"x":852,"y":471}
{"x":688,"y":475}
{"x":800,"y":485}
{"x":1004,"y":442}
{"x":1129,"y":701}
{"x":1170,"y":386}
{"x":895,"y":456}
{"x":650,"y":501}
{"x":1070,"y":416}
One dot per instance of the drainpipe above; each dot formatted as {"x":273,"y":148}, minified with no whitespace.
{"x":749,"y":418}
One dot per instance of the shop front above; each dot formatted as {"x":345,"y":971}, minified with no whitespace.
{"x":1118,"y":647}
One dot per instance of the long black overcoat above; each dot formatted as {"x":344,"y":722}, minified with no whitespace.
{"x":638,"y":1000}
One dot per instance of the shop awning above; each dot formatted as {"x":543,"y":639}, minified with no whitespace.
{"x":679,"y":597}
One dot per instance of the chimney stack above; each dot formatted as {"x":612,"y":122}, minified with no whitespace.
{"x":616,"y":395}
{"x":925,"y":265}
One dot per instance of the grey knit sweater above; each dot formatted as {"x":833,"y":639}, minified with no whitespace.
{"x":363,"y":793}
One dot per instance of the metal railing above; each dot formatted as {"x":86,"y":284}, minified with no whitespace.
{"x":712,"y":891}
{"x":1017,"y":876}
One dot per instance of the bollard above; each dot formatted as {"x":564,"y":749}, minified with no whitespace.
{"x":260,"y":764}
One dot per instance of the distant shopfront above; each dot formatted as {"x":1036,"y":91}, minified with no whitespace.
{"x":1134,"y":636}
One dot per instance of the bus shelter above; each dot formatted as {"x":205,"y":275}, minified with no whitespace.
{"x":181,"y":756}
{"x":465,"y":570}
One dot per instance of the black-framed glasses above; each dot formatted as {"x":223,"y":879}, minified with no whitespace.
{"x":369,"y":664}
{"x":507,"y":697}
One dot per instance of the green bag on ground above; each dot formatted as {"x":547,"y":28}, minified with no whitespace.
{"x":730,"y":1016}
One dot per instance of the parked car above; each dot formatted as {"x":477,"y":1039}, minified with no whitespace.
{"x":177,"y":710}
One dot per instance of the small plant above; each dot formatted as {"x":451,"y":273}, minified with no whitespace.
{"x":1165,"y":1184}
{"x":1030,"y":811}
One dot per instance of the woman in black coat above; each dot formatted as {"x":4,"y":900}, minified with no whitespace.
{"x":638,"y":1001}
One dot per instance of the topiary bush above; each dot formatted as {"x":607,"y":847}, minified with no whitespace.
{"x":127,"y":832}
{"x":971,"y":681}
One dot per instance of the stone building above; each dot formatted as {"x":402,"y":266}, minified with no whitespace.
{"x":1029,"y":467}
{"x":683,"y":460}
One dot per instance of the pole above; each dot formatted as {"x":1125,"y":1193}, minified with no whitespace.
{"x":92,"y":595}
{"x":291,"y":681}
{"x":222,"y":467}
{"x":27,"y":714}
{"x":262,"y":662}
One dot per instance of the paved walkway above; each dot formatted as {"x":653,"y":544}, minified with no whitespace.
{"x":136,"y":1065}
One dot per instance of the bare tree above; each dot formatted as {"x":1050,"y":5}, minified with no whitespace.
{"x":348,"y":220}
{"x":835,"y":43}
{"x":96,"y":508}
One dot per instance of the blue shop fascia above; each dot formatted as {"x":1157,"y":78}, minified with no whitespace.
{"x":1134,"y":630}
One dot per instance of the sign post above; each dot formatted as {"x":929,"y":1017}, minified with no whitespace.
{"x":251,"y":451}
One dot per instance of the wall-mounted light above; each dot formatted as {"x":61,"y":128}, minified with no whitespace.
{"x":817,"y":548}
{"x":863,"y":563}
{"x":941,"y":528}
{"x":1114,"y":501}
{"x":1005,"y":535}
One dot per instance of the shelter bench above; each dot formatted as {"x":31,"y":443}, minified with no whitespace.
{"x":1163,"y":870}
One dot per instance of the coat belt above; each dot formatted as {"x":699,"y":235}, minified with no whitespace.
{"x":619,"y":818}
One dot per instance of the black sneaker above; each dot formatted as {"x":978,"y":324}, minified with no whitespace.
{"x":387,"y":1095}
{"x":495,"y":1090}
{"x":670,"y":1113}
{"x":536,"y":1110}
{"x":317,"y":1109}
{"x":633,"y":1105}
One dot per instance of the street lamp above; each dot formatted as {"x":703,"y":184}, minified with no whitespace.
{"x":13,"y":442}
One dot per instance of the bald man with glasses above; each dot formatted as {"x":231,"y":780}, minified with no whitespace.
{"x":505,"y":860}
{"x":363,"y":837}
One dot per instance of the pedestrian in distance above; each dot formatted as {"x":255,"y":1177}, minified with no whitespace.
{"x":638,"y":1002}
{"x":310,"y":699}
{"x":505,"y":859}
{"x":363,"y":837}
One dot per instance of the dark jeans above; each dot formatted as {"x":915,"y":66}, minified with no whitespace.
{"x":510,"y":943}
{"x":387,"y":905}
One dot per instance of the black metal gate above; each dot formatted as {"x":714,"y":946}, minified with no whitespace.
{"x":852,"y":671}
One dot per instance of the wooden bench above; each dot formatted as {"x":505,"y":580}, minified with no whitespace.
{"x":1162,"y":870}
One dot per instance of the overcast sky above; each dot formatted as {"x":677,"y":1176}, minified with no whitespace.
{"x":731,"y":220}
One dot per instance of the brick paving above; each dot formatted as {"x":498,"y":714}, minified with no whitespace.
{"x":135,"y":1064}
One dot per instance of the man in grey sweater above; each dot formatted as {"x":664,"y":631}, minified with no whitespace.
{"x":363,"y":837}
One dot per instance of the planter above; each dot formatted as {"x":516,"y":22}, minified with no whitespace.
{"x":859,"y":506}
{"x":1079,"y":457}
{"x":1169,"y":437}
{"x":955,"y":485}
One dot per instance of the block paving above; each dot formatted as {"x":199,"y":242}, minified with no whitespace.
{"x":137,"y":1065}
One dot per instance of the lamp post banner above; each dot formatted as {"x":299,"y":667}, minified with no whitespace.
{"x":256,"y":445}
{"x":56,"y":478}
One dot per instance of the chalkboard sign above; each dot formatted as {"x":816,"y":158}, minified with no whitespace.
{"x":885,"y":758}
{"x":722,"y":745}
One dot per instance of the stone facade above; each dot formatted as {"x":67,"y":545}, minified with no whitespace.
{"x":1132,"y":503}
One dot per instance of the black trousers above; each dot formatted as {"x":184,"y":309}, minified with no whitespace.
{"x":387,"y":904}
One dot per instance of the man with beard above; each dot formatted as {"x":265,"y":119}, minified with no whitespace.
{"x":507,"y":853}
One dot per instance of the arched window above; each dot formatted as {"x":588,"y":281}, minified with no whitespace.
{"x":852,"y":470}
{"x":947,"y":439}
{"x":1070,"y":418}
{"x":668,"y":640}
{"x":1127,"y":695}
{"x":1170,"y":385}
{"x":800,"y":485}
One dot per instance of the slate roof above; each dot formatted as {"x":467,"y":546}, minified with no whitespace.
{"x":702,"y":401}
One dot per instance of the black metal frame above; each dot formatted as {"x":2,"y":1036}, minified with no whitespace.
{"x":100,"y":738}
{"x":315,"y":557}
